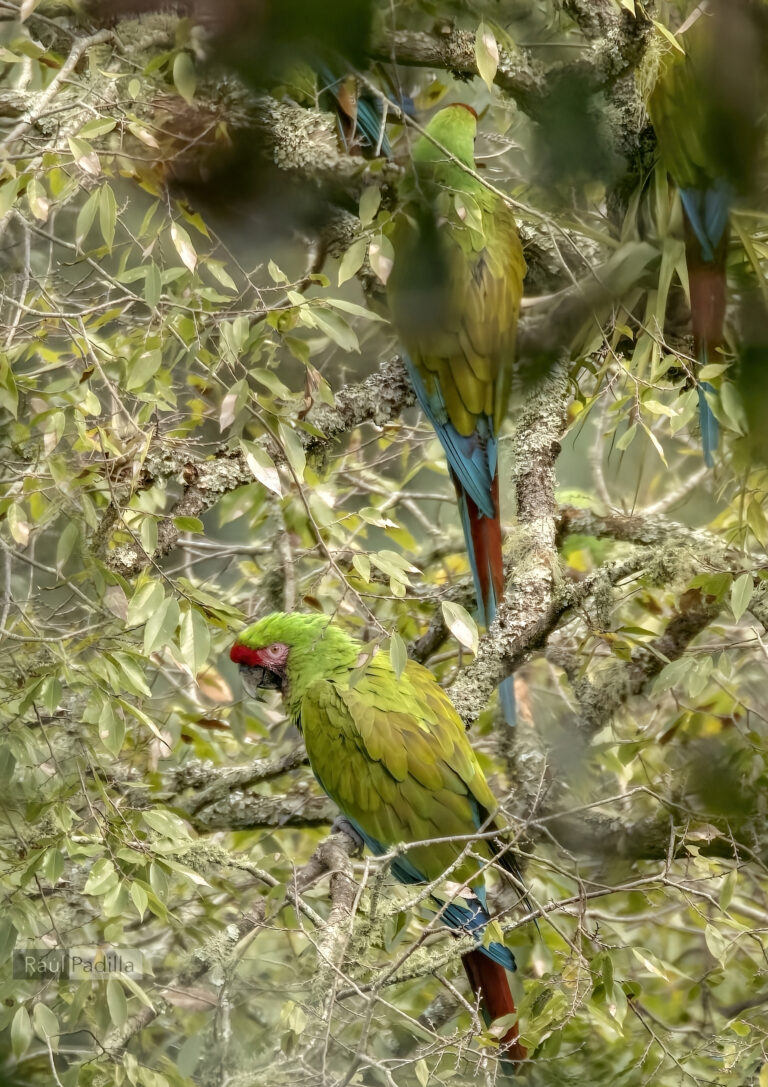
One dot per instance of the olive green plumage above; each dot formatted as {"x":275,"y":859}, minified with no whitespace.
{"x":457,"y":280}
{"x":707,"y":99}
{"x":392,"y":753}
{"x":680,"y":110}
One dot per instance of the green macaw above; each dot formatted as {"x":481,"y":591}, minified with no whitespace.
{"x":394,"y":757}
{"x":706,"y":106}
{"x":454,"y":296}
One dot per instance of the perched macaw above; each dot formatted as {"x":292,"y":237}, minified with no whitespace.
{"x":394,"y":757}
{"x":705,"y":107}
{"x":454,"y":296}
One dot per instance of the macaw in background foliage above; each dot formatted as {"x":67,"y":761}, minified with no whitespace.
{"x":393,"y":755}
{"x":704,"y":108}
{"x":454,"y":297}
{"x":360,"y":113}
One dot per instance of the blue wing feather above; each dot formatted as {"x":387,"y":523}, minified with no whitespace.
{"x":472,"y":457}
{"x":471,"y":918}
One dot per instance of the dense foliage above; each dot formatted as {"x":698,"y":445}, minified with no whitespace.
{"x":204,"y":420}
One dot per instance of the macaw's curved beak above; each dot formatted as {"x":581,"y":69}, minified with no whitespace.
{"x":256,"y":679}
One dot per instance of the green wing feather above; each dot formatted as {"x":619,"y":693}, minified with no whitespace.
{"x":395,"y":758}
{"x":680,"y":117}
{"x":469,"y":352}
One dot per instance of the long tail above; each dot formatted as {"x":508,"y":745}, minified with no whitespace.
{"x":474,"y":467}
{"x":482,"y":534}
{"x":706,"y":243}
{"x":489,"y":980}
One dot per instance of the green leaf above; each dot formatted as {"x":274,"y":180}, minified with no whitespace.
{"x":422,"y":1072}
{"x":85,"y":156}
{"x":220,"y":274}
{"x":8,"y":936}
{"x":294,"y":450}
{"x":38,"y":201}
{"x":166,"y":823}
{"x":381,"y":257}
{"x":398,"y":654}
{"x":352,"y":260}
{"x":184,"y":246}
{"x":99,"y":126}
{"x":101,"y":878}
{"x":189,"y":1054}
{"x":741,"y":594}
{"x":21,"y":1032}
{"x":716,"y":943}
{"x":85,"y":217}
{"x":362,"y":564}
{"x":188,"y":524}
{"x":144,"y":602}
{"x":112,"y":727}
{"x":194,"y":639}
{"x":663,"y":30}
{"x":46,"y":1025}
{"x":161,"y":625}
{"x":727,"y":889}
{"x":107,"y":215}
{"x":116,"y":1002}
{"x":9,"y":393}
{"x":275,"y":274}
{"x":486,"y":54}
{"x":369,"y":204}
{"x":142,"y":369}
{"x":262,"y":467}
{"x":9,"y":190}
{"x":139,"y":897}
{"x":461,"y":624}
{"x":334,"y":326}
{"x":184,"y":75}
{"x":671,"y":675}
{"x":627,"y":438}
{"x":153,"y":285}
{"x":66,"y":544}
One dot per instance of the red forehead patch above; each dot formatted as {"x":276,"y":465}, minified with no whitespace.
{"x":243,"y":654}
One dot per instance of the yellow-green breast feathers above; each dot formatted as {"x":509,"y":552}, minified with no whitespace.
{"x":392,"y":753}
{"x":457,"y":279}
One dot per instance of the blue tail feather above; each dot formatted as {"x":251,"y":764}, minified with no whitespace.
{"x":369,"y":121}
{"x":473,"y":460}
{"x":710,"y":429}
{"x":708,"y":211}
{"x":471,"y":457}
{"x":471,"y":918}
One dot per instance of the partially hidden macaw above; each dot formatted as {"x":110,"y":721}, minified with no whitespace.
{"x":678,"y":111}
{"x":454,"y":296}
{"x":360,"y":115}
{"x":393,"y":755}
{"x":705,"y":107}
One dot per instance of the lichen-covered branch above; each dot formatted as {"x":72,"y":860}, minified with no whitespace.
{"x":530,"y":607}
{"x":215,"y":782}
{"x":331,"y":856}
{"x":211,"y":953}
{"x":600,"y":699}
{"x":238,"y":810}
{"x":519,"y":75}
{"x":378,"y":399}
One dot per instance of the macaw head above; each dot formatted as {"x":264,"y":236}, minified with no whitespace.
{"x":286,"y":650}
